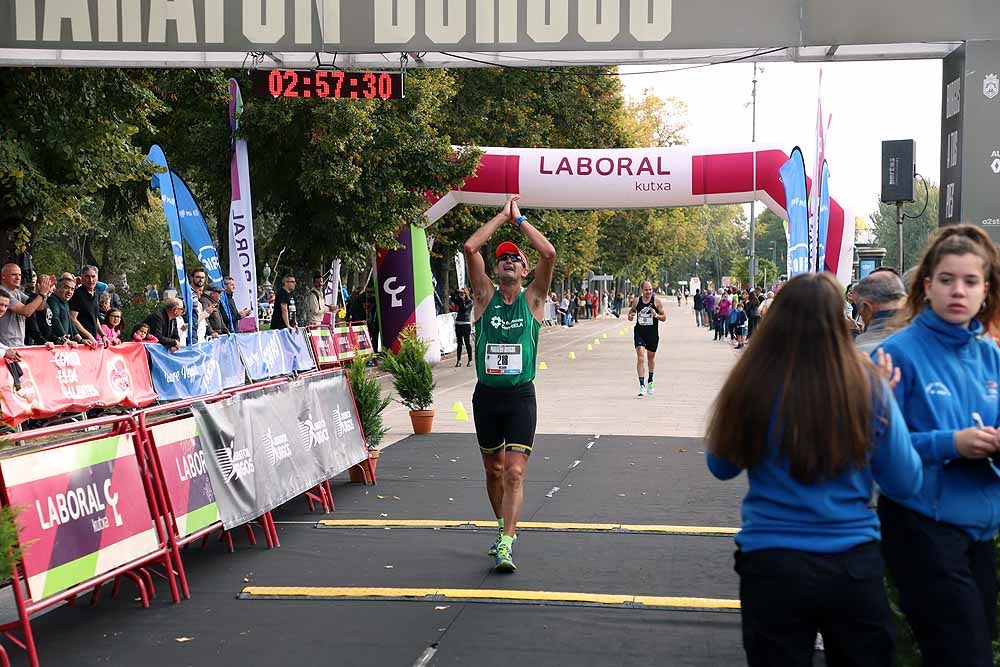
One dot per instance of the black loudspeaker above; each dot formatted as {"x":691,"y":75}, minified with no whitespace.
{"x":898,"y":170}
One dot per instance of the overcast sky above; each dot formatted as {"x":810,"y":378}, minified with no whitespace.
{"x":869,"y":101}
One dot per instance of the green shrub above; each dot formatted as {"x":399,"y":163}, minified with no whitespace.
{"x":133,"y":313}
{"x":370,"y":401}
{"x":411,"y":373}
{"x":9,"y":548}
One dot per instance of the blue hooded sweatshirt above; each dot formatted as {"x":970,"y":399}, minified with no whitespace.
{"x":948,"y":373}
{"x":831,"y":515}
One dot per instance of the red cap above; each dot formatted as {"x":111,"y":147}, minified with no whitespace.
{"x":508,"y":247}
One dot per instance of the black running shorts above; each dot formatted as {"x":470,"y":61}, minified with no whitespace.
{"x":647,"y":339}
{"x":505,"y":418}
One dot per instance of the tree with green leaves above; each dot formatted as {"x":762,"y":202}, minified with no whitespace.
{"x":920,"y":223}
{"x":67,"y":147}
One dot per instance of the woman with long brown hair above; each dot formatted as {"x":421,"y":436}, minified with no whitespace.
{"x":816,"y":426}
{"x":939,"y":544}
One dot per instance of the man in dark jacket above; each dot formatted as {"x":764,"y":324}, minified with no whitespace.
{"x":163,"y":324}
{"x":211,"y":303}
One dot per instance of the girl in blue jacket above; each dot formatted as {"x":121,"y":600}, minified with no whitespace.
{"x":818,"y":425}
{"x":938,"y":544}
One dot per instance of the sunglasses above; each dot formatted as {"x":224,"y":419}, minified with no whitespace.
{"x":509,"y":257}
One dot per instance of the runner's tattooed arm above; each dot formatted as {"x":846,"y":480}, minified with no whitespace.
{"x":482,"y":286}
{"x":539,"y":287}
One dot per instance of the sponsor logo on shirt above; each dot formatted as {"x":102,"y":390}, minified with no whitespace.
{"x":937,"y":389}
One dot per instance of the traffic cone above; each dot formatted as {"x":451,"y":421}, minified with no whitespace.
{"x":461,"y":415}
{"x":572,"y":356}
{"x":458,"y":407}
{"x":589,"y":347}
{"x":597,"y":341}
{"x":542,"y":366}
{"x":605,"y":336}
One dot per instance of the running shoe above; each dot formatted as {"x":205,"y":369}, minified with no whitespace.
{"x":505,"y":559}
{"x":493,"y":549}
{"x":642,"y":390}
{"x":649,"y":388}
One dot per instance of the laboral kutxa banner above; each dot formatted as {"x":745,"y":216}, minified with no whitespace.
{"x":266,"y":447}
{"x":185,"y":475}
{"x":74,"y":380}
{"x":83,"y":511}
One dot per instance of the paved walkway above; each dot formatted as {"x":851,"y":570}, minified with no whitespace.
{"x":627,"y":559}
{"x":597,"y":391}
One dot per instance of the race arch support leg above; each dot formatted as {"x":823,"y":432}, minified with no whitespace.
{"x":404,"y":291}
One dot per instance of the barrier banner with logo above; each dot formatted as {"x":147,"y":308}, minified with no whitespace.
{"x":196,"y":370}
{"x":83,"y":511}
{"x":269,"y":354}
{"x":266,"y":447}
{"x":321,"y":338}
{"x":185,"y":475}
{"x":342,"y":344}
{"x":362,"y":340}
{"x":74,"y":380}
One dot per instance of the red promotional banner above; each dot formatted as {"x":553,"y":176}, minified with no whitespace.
{"x":77,"y":380}
{"x":342,"y":343}
{"x":83,"y":511}
{"x":323,"y":346}
{"x":362,"y":341}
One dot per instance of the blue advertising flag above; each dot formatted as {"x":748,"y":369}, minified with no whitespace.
{"x":165,"y":185}
{"x":793,"y":177}
{"x":824,"y":215}
{"x":194,"y":229}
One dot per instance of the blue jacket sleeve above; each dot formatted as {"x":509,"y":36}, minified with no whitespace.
{"x":895,"y":465}
{"x":721,"y":468}
{"x":934,"y":447}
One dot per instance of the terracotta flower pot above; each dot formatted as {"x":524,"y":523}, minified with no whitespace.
{"x":364,"y":472}
{"x":421,"y":421}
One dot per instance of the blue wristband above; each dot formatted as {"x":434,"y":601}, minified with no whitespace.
{"x":521,"y":219}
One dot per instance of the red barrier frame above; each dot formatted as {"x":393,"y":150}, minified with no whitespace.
{"x":135,"y":570}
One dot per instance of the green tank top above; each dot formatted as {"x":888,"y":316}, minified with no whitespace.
{"x":506,"y":343}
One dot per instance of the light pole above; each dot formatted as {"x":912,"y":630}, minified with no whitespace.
{"x":753,"y":202}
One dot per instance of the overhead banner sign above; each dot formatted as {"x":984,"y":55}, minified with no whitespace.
{"x":83,"y":511}
{"x":551,"y":178}
{"x":380,"y":26}
{"x":63,"y":380}
{"x":267,"y":447}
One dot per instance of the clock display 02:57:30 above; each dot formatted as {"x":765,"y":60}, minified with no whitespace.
{"x":321,"y":84}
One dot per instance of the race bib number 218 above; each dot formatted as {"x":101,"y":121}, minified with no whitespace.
{"x":503,"y":359}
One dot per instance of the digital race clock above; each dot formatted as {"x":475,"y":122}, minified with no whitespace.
{"x":332,"y":84}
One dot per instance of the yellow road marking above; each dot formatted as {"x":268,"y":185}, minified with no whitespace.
{"x":475,"y":594}
{"x":530,"y":525}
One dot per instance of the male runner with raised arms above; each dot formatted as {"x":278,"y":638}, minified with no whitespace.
{"x":648,"y":312}
{"x":507,"y":320}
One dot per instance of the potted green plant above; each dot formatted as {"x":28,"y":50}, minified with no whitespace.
{"x":412,"y":378}
{"x":370,"y":401}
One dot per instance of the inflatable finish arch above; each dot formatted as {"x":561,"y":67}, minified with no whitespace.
{"x":618,"y":179}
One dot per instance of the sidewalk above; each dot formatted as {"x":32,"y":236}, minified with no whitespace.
{"x":597,"y":392}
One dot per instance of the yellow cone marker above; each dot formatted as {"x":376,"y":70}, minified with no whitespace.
{"x":461,"y":415}
{"x":597,"y":341}
{"x":542,"y":366}
{"x":589,"y":347}
{"x":457,"y":407}
{"x":572,"y":355}
{"x":605,"y":336}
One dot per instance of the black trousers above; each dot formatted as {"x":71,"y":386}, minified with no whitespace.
{"x":787,"y":596}
{"x":462,"y":333}
{"x":947,"y":586}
